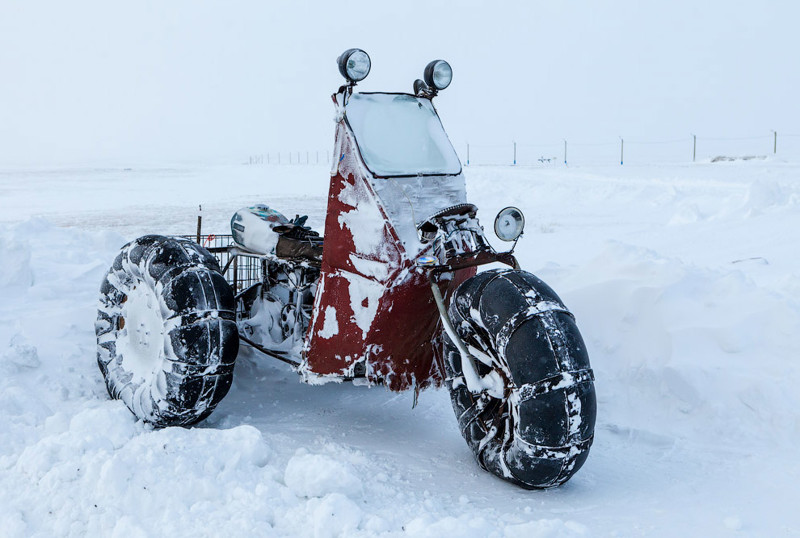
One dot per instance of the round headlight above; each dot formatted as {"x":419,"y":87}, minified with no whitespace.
{"x":438,"y":74}
{"x":509,"y":224}
{"x":354,"y":65}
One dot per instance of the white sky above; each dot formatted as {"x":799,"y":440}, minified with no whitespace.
{"x":156,"y":81}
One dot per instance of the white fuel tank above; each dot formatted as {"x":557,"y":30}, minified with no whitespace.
{"x":257,"y":228}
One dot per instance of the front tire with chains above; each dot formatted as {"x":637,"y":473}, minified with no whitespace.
{"x":538,"y":434}
{"x":166,"y":331}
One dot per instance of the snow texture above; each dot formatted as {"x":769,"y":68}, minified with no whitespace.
{"x":370,"y":268}
{"x":330,"y":326}
{"x":684,"y":281}
{"x":365,"y":295}
{"x":364,"y":223}
{"x":410,"y":200}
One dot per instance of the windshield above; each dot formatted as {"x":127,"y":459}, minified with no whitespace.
{"x":400,"y":135}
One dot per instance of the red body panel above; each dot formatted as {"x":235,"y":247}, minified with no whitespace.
{"x":373,"y":305}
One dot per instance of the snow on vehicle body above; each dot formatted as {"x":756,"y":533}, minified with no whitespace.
{"x":370,"y":277}
{"x":391,"y":296}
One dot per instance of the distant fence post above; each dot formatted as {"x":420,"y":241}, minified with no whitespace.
{"x":199,"y":222}
{"x":495,"y":152}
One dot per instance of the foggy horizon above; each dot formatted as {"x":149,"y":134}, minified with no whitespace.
{"x":89,"y":82}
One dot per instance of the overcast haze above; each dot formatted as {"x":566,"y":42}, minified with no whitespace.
{"x":148,"y":82}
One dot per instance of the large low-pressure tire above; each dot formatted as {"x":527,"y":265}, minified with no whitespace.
{"x":537,"y":433}
{"x":166,"y":331}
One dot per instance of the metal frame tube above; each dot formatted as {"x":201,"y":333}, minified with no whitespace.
{"x":471,"y":376}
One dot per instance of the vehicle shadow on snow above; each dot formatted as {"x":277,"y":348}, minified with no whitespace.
{"x":269,"y":395}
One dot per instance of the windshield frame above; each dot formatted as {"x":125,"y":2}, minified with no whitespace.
{"x":436,"y":113}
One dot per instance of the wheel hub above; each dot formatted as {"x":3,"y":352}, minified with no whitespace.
{"x":141,"y":338}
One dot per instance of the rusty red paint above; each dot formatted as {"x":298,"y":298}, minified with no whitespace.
{"x":397,"y":347}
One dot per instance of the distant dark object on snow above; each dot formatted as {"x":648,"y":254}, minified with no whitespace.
{"x":756,"y":259}
{"x":725,"y":159}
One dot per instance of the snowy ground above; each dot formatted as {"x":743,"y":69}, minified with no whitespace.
{"x":684,"y":279}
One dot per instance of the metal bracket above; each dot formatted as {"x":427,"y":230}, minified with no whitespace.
{"x":470,"y":370}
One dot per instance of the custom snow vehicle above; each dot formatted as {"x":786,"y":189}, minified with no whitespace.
{"x":391,"y":296}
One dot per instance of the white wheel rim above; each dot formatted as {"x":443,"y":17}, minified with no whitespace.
{"x":140,"y":342}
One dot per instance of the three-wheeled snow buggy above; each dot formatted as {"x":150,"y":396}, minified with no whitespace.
{"x":391,"y":296}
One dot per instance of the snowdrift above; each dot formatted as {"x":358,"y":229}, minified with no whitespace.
{"x":685,"y":285}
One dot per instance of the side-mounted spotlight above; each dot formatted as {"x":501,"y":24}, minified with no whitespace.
{"x":438,"y":74}
{"x":509,"y":224}
{"x":354,"y":65}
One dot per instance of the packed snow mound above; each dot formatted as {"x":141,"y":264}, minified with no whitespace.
{"x":693,"y":346}
{"x":19,"y":356}
{"x":102,"y":463}
{"x":769,"y":195}
{"x":17,"y":271}
{"x":316,"y":475}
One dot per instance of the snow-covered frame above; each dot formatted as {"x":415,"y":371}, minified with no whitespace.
{"x":374,"y":314}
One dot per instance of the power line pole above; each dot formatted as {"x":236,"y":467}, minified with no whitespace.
{"x":621,"y":150}
{"x":515,"y":153}
{"x":694,"y":148}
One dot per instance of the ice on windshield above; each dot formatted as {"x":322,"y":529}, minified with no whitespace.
{"x":400,"y":135}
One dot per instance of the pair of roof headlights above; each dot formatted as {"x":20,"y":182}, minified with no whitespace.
{"x":354,"y":65}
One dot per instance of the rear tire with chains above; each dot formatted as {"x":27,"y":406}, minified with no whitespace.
{"x":538,"y":434}
{"x":166,"y":331}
